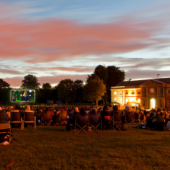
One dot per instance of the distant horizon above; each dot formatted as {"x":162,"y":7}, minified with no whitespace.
{"x":55,"y":40}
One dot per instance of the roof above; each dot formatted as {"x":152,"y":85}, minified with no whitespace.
{"x":140,"y":82}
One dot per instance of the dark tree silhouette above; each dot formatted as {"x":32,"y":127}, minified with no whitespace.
{"x":30,"y":81}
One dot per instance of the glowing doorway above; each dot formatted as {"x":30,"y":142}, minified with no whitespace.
{"x":152,"y":103}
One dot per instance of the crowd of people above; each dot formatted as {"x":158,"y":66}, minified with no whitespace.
{"x":151,"y":119}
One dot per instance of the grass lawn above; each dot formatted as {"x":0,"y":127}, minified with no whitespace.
{"x":48,"y":148}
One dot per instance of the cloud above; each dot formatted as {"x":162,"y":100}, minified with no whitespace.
{"x":53,"y":40}
{"x":5,"y":71}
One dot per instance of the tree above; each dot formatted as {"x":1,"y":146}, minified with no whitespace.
{"x":3,"y":84}
{"x":30,"y":81}
{"x":65,"y":88}
{"x":102,"y":73}
{"x":94,"y":89}
{"x":115,"y":76}
{"x":4,"y":90}
{"x":46,"y":86}
{"x":78,"y":90}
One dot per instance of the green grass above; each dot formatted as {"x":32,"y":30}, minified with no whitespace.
{"x":48,"y":148}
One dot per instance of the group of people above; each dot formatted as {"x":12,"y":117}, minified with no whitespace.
{"x":153,"y":118}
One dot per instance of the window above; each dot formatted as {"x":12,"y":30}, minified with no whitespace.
{"x":133,"y":92}
{"x":139,"y":100}
{"x":160,"y":103}
{"x":120,"y":93}
{"x":144,"y":91}
{"x":126,"y":92}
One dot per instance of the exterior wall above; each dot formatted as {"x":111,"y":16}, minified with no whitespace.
{"x":143,"y":95}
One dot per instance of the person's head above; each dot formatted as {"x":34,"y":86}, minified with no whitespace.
{"x":127,"y":108}
{"x":28,"y":107}
{"x":115,"y":107}
{"x":94,"y":111}
{"x":106,"y":107}
{"x":82,"y":111}
{"x":76,"y":109}
{"x":17,"y":107}
{"x":159,"y":110}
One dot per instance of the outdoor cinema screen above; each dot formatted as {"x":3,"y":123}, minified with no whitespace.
{"x":23,"y":95}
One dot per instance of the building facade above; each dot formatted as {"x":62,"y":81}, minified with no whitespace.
{"x":147,"y":94}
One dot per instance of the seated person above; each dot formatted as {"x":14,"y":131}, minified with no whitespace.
{"x":71,"y":120}
{"x":3,"y":115}
{"x":28,"y":109}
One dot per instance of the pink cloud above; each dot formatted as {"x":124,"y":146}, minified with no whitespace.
{"x":57,"y":40}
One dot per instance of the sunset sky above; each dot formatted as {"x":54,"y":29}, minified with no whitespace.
{"x":58,"y":39}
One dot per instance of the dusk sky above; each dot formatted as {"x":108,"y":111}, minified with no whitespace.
{"x":58,"y":39}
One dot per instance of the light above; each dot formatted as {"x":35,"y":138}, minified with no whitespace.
{"x":138,"y":100}
{"x":126,"y":100}
{"x":115,"y":92}
{"x":115,"y":99}
{"x":84,"y":83}
{"x":152,"y":103}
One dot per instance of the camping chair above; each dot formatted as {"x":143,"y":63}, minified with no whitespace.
{"x":30,"y":118}
{"x":142,"y":118}
{"x":62,"y":118}
{"x":46,"y":118}
{"x":81,"y":122}
{"x":117,"y":122}
{"x":95,"y":121}
{"x":16,"y":118}
{"x":5,"y":132}
{"x":108,"y":122}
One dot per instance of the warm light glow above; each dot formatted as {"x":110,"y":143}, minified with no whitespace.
{"x":126,"y":100}
{"x":139,"y":100}
{"x":115,"y":99}
{"x":132,"y":99}
{"x":153,"y":103}
{"x":115,"y":92}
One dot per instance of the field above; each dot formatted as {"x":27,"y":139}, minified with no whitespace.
{"x":48,"y":148}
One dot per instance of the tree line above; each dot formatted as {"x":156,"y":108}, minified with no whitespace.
{"x":96,"y":88}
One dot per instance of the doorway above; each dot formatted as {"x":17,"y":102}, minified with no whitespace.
{"x":152,"y":104}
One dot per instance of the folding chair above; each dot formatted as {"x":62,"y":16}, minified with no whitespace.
{"x":95,"y":121}
{"x":117,"y":122}
{"x":108,"y":122}
{"x":16,"y":118}
{"x":62,"y":118}
{"x":30,"y":118}
{"x":81,"y":122}
{"x":5,"y":132}
{"x":46,"y":118}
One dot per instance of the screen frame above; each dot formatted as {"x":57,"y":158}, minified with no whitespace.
{"x":22,"y":102}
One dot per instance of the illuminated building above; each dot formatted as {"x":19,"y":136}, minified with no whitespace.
{"x":145,"y":93}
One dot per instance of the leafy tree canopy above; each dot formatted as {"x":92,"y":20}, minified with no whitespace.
{"x":30,"y":81}
{"x":46,"y":86}
{"x":3,"y":84}
{"x":65,"y":88}
{"x":78,"y":90}
{"x":94,"y":89}
{"x":102,"y":72}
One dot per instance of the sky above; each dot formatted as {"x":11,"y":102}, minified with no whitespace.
{"x":58,"y":39}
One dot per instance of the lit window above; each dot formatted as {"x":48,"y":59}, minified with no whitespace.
{"x":115,"y":99}
{"x":138,"y":100}
{"x":126,"y":100}
{"x":120,"y":93}
{"x":115,"y":92}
